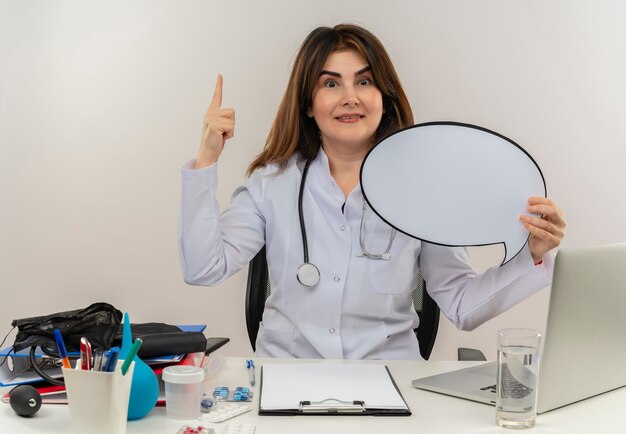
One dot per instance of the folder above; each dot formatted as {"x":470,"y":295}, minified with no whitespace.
{"x":15,"y":367}
{"x":330,"y":389}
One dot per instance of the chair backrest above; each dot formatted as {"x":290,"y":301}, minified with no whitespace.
{"x":259,"y":288}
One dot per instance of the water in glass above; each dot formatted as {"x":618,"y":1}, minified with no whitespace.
{"x":516,"y":401}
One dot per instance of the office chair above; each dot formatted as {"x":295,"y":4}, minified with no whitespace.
{"x":259,"y":289}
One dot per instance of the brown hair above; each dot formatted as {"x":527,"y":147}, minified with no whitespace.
{"x":293,"y":131}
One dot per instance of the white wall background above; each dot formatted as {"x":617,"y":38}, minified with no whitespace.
{"x":101,"y":103}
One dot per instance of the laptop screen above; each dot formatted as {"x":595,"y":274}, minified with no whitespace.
{"x":585,"y":340}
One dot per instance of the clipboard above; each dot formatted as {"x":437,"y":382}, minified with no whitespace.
{"x":346,"y":389}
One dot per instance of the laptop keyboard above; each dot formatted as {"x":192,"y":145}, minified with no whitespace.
{"x":513,"y":388}
{"x":491,"y":388}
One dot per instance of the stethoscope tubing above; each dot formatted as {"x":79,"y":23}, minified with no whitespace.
{"x":305,"y":245}
{"x":307,"y":273}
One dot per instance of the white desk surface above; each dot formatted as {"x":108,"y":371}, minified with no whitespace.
{"x":432,"y":412}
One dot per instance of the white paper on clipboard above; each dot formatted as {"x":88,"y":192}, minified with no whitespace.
{"x":285,"y":386}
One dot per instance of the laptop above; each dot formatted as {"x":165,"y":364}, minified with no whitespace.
{"x":584,"y":351}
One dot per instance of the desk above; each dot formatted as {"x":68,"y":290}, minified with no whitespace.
{"x":432,"y":412}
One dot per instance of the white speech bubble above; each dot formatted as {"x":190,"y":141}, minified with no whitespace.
{"x":453,"y":184}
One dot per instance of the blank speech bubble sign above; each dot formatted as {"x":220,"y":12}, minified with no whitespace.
{"x":453,"y":184}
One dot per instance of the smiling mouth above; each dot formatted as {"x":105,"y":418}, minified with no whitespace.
{"x":349,"y":118}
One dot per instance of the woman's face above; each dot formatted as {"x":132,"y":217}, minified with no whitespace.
{"x":346,"y":104}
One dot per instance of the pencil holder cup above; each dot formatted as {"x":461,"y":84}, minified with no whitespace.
{"x":98,"y":401}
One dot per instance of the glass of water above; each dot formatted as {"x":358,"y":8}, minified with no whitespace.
{"x":518,"y":378}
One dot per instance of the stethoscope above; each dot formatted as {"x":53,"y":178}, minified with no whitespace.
{"x":307,"y":273}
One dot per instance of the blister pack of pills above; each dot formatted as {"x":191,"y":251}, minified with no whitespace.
{"x":186,"y":429}
{"x":239,"y":394}
{"x":224,"y":412}
{"x":239,"y":429}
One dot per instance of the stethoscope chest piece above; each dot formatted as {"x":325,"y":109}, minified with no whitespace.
{"x":308,"y":274}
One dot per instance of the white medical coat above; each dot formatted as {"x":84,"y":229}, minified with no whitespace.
{"x":361,"y":308}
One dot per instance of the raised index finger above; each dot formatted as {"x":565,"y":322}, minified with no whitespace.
{"x":216,"y":102}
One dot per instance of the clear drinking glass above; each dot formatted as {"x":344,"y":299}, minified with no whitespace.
{"x":518,"y":378}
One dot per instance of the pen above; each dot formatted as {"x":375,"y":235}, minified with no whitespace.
{"x":114,"y":354}
{"x":104,"y":361}
{"x":250,"y":367}
{"x":131,"y":355}
{"x":61,"y":347}
{"x":97,"y":360}
{"x":85,"y":354}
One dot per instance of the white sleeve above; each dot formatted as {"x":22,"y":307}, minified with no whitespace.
{"x":467,"y":298}
{"x":213,"y":247}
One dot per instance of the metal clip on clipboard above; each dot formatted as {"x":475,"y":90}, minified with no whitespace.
{"x":332,"y":405}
